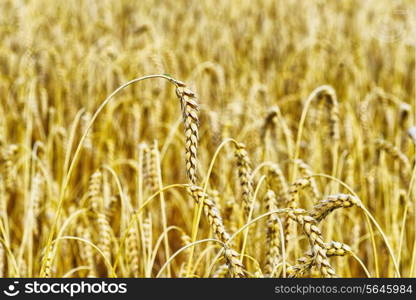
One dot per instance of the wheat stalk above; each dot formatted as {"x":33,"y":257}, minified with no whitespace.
{"x":2,"y":260}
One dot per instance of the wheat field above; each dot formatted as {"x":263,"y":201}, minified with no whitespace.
{"x":207,"y":138}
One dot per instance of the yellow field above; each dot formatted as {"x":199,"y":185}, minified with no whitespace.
{"x":207,"y":138}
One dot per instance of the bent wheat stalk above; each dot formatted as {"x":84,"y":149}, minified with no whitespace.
{"x":189,"y":108}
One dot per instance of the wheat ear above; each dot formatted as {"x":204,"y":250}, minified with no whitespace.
{"x":221,"y":271}
{"x":36,"y":199}
{"x":190,"y":118}
{"x":394,"y":152}
{"x":332,"y":202}
{"x":86,"y":250}
{"x":272,"y":255}
{"x":232,"y":258}
{"x":269,"y":122}
{"x":294,"y":189}
{"x":8,"y":156}
{"x":276,"y":181}
{"x":244,"y":175}
{"x":149,"y":168}
{"x":186,"y":240}
{"x":104,"y":231}
{"x":153,"y":168}
{"x":309,"y":226}
{"x":133,"y":252}
{"x":306,"y":262}
{"x":48,"y":263}
{"x":37,"y":189}
{"x":95,"y":192}
{"x":328,"y":94}
{"x":306,"y":171}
